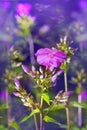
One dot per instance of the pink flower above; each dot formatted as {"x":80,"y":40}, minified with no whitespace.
{"x":51,"y":58}
{"x":23,"y":9}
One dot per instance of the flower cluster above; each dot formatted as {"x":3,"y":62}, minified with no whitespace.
{"x":44,"y":78}
{"x":23,"y":9}
{"x":81,"y":77}
{"x":27,"y":99}
{"x":24,"y":19}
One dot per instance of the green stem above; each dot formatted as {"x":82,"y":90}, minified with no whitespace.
{"x":67,"y":107}
{"x":79,"y":108}
{"x":41,"y":115}
{"x":35,"y":119}
{"x":31,"y":49}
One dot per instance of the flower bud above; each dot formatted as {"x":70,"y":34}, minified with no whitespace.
{"x":16,"y":94}
{"x":33,"y":68}
{"x":40,"y":69}
{"x":17,"y":83}
{"x":25,"y":68}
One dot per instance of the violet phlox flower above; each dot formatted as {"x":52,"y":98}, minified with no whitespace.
{"x":84,"y":95}
{"x":4,"y":95}
{"x":23,"y":8}
{"x":51,"y":58}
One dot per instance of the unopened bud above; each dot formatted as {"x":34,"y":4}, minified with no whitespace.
{"x":17,"y":83}
{"x":25,"y":68}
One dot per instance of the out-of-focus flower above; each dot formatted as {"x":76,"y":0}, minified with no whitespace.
{"x":83,"y":4}
{"x":6,"y":4}
{"x":84,"y":95}
{"x":81,"y":77}
{"x":17,"y":83}
{"x":44,"y":29}
{"x":51,"y":58}
{"x":4,"y":95}
{"x":29,"y":20}
{"x":23,"y":9}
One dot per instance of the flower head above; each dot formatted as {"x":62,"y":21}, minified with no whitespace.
{"x":51,"y":58}
{"x":23,"y":9}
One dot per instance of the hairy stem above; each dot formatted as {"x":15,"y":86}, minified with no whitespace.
{"x":35,"y":122}
{"x":79,"y":109}
{"x":41,"y":115}
{"x":31,"y":49}
{"x":32,"y":61}
{"x":67,"y":107}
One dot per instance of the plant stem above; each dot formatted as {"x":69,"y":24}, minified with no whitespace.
{"x":31,"y":49}
{"x":41,"y":116}
{"x":67,"y":107}
{"x":79,"y":108}
{"x":35,"y":121}
{"x":32,"y":61}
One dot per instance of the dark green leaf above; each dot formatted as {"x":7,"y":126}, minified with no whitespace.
{"x":46,"y":98}
{"x":78,"y":90}
{"x":76,"y":104}
{"x":4,"y":106}
{"x":57,"y":107}
{"x":15,"y":125}
{"x":50,"y":119}
{"x":31,"y":114}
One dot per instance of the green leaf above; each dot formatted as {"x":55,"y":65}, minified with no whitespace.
{"x":15,"y":125}
{"x":46,"y":98}
{"x":57,"y":107}
{"x":2,"y":127}
{"x":78,"y":90}
{"x":50,"y":119}
{"x":4,"y":106}
{"x":75,"y":128}
{"x":76,"y":104}
{"x":31,"y":114}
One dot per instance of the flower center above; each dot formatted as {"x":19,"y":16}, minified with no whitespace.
{"x":50,"y":55}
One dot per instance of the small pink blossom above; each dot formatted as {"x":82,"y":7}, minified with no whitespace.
{"x":51,"y":58}
{"x":16,"y":94}
{"x":54,"y":77}
{"x":17,"y":83}
{"x":23,"y":9}
{"x":25,"y":68}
